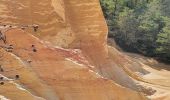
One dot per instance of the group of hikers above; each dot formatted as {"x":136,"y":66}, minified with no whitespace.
{"x":9,"y":48}
{"x":34,"y":26}
{"x":5,"y":27}
{"x":23,"y":27}
{"x":2,"y":79}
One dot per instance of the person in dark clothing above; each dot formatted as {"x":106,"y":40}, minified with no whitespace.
{"x":23,"y":28}
{"x":2,"y":83}
{"x":1,"y":78}
{"x":17,"y":76}
{"x":33,"y":48}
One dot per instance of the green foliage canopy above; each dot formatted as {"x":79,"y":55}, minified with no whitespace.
{"x":140,"y":25}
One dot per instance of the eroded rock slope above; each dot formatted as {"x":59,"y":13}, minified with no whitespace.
{"x":87,"y":69}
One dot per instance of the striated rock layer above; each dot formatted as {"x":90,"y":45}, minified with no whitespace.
{"x":54,"y":73}
{"x":87,"y":70}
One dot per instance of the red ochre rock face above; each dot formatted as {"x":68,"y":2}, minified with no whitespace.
{"x":85,"y":70}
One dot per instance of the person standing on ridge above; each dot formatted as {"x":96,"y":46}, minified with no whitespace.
{"x":33,"y":48}
{"x":9,"y":48}
{"x":17,"y":77}
{"x":1,"y":69}
{"x":2,"y":37}
{"x":2,"y":83}
{"x":35,"y":27}
{"x":1,"y":78}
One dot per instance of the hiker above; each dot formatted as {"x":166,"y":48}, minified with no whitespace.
{"x":33,"y":48}
{"x":2,"y":37}
{"x":9,"y":48}
{"x":2,"y":83}
{"x":17,"y":77}
{"x":1,"y":78}
{"x":1,"y":69}
{"x":29,"y":61}
{"x":10,"y":26}
{"x":23,"y":27}
{"x":35,"y":27}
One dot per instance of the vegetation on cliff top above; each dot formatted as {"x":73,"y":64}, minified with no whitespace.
{"x":141,"y":26}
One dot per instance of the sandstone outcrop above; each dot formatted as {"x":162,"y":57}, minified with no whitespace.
{"x":67,"y":58}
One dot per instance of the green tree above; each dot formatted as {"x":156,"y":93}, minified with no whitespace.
{"x":139,"y":25}
{"x":163,"y":41}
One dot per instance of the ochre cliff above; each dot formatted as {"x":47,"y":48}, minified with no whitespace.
{"x":72,"y":61}
{"x":54,"y":74}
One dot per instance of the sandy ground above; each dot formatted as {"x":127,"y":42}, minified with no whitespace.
{"x":158,"y":78}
